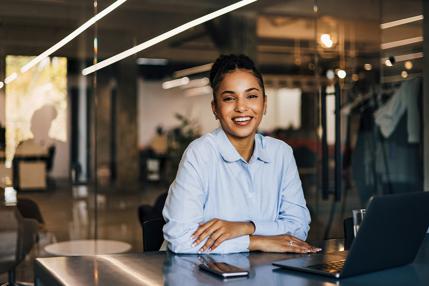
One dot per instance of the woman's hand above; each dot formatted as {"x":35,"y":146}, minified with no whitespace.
{"x":218,"y":231}
{"x":281,"y":243}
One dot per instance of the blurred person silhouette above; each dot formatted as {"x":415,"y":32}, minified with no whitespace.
{"x":158,"y":143}
{"x":41,"y":144}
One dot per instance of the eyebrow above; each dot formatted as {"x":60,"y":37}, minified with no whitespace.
{"x":247,"y":90}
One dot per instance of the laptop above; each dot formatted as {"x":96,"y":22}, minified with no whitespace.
{"x":390,"y":235}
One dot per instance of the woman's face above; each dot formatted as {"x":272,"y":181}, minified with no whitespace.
{"x":240,"y":104}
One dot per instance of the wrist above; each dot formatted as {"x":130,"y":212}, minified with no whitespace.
{"x":254,"y":242}
{"x":249,"y":228}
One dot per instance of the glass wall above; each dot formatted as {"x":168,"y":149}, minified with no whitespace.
{"x":343,"y":83}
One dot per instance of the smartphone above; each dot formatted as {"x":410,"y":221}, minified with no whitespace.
{"x":223,"y":269}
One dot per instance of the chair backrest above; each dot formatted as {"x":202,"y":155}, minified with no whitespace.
{"x":9,"y":238}
{"x":17,"y":236}
{"x":348,"y":232}
{"x":152,"y":234}
{"x":29,"y":209}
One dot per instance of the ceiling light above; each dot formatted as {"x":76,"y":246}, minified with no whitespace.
{"x":152,"y":62}
{"x":193,"y":70}
{"x":406,"y":57}
{"x":198,"y":82}
{"x":326,"y":41}
{"x":165,"y":36}
{"x":1,"y":84}
{"x":404,"y":74}
{"x":367,"y":67}
{"x":401,"y":22}
{"x":400,"y":43}
{"x":390,"y":61}
{"x":341,"y":73}
{"x":11,"y":78}
{"x":408,"y":65}
{"x":71,"y":36}
{"x":175,"y":82}
{"x":330,"y":74}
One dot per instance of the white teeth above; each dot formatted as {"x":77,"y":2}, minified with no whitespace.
{"x":242,"y":119}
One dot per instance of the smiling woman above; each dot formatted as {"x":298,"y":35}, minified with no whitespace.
{"x":236,"y":190}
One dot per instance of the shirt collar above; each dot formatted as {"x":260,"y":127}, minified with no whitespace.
{"x":230,"y":154}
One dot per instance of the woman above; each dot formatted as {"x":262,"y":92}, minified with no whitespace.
{"x":236,"y":190}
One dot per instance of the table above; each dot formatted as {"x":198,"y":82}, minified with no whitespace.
{"x":166,"y":268}
{"x":87,"y":247}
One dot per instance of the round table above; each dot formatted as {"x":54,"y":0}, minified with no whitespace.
{"x":87,"y":247}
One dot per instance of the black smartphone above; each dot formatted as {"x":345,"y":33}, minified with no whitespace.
{"x":223,"y":269}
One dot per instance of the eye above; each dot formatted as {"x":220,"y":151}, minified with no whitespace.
{"x":252,"y":96}
{"x":228,"y":98}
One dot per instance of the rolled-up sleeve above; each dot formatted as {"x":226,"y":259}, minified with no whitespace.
{"x":184,"y":208}
{"x":293,"y":215}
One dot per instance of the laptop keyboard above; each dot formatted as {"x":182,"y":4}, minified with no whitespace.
{"x":331,"y":267}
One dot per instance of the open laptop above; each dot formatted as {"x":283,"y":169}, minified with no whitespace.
{"x":389,"y":236}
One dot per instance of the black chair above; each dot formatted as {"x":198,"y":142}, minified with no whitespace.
{"x":152,"y":234}
{"x":29,"y":209}
{"x":147,"y":212}
{"x":17,"y":236}
{"x":348,"y":232}
{"x":151,"y":221}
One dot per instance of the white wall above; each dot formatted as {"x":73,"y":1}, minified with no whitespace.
{"x":157,"y":106}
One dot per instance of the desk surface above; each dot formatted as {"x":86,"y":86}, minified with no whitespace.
{"x":165,"y":268}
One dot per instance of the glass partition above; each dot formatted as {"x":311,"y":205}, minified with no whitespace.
{"x":343,"y":82}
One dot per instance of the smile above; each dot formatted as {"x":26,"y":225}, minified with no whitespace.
{"x":242,"y":120}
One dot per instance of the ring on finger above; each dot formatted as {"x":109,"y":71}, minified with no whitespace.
{"x":290,"y":242}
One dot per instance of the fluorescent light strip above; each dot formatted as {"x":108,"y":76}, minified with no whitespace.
{"x":198,"y":82}
{"x":401,"y":22}
{"x":73,"y":35}
{"x":175,"y":83}
{"x":165,"y":36}
{"x":406,"y":57}
{"x":11,"y":78}
{"x":152,"y":61}
{"x":193,"y":70}
{"x":401,"y":43}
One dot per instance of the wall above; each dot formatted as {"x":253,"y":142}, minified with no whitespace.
{"x":157,"y":106}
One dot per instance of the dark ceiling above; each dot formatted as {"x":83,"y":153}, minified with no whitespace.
{"x":286,"y":30}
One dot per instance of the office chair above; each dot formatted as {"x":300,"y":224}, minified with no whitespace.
{"x":152,"y":234}
{"x":17,"y":236}
{"x":146,"y":212}
{"x":29,"y":209}
{"x":151,"y":221}
{"x":348,"y":232}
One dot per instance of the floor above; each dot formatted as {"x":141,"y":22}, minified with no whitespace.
{"x":70,"y":214}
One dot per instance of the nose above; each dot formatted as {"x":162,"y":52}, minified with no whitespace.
{"x":240,"y":105}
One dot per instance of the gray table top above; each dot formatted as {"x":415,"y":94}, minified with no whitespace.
{"x":166,"y":268}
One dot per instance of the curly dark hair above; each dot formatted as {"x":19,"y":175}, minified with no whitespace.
{"x":228,"y":63}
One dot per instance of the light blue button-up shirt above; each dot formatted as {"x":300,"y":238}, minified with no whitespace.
{"x":214,"y":181}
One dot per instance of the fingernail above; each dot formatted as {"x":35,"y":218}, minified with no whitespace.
{"x":194,"y":244}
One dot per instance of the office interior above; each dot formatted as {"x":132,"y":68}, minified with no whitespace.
{"x":91,"y":152}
